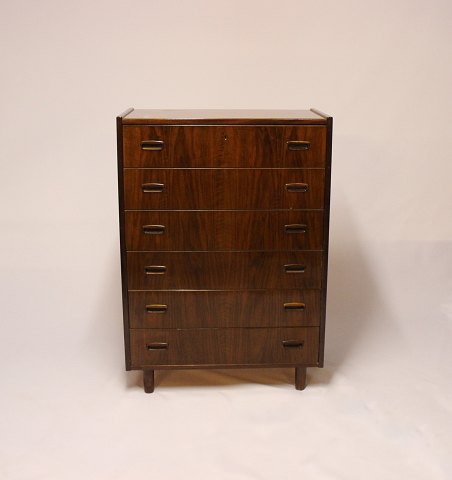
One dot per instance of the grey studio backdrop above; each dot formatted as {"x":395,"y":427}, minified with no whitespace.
{"x":381,"y":407}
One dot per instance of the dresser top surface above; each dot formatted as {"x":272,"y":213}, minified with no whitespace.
{"x":223,"y":117}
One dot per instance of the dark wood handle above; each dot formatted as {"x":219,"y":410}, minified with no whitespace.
{"x":152,"y":145}
{"x":157,"y":346}
{"x":155,"y":270}
{"x":298,"y":145}
{"x":297,"y":187}
{"x":296,"y":228}
{"x":156,"y":308}
{"x":153,"y":229}
{"x":292,"y":343}
{"x":294,"y":306}
{"x":294,"y":268}
{"x":153,"y":187}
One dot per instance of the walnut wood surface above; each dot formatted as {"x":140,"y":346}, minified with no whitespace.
{"x":224,"y":189}
{"x":204,"y":309}
{"x":224,"y":146}
{"x":223,"y":270}
{"x":216,"y":242}
{"x":222,"y":230}
{"x":221,"y":346}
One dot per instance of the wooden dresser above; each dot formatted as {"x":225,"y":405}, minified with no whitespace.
{"x":224,"y":220}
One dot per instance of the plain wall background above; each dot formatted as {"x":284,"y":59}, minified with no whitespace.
{"x":381,"y":407}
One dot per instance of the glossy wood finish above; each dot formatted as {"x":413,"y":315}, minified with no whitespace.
{"x":228,"y":309}
{"x":225,"y":117}
{"x":224,"y":238}
{"x":223,"y":189}
{"x":222,"y":230}
{"x":223,"y":270}
{"x":224,"y":346}
{"x":224,"y":146}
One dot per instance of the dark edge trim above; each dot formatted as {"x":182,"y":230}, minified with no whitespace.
{"x":124,"y":283}
{"x":326,"y":228}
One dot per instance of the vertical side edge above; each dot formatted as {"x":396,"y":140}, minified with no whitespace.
{"x":326,"y":227}
{"x":125,"y":299}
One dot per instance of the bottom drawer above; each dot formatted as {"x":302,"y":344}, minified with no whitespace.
{"x":224,"y":346}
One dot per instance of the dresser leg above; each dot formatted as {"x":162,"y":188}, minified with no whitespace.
{"x":300,"y":378}
{"x":148,"y":380}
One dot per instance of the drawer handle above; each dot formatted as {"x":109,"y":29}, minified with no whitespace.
{"x":296,"y":228}
{"x":153,"y":229}
{"x":152,"y":145}
{"x":155,"y":270}
{"x":298,"y":145}
{"x":294,"y":268}
{"x":152,"y":187}
{"x":297,"y":187}
{"x":157,"y":346}
{"x":292,"y":344}
{"x":156,"y":308}
{"x":294,"y":306}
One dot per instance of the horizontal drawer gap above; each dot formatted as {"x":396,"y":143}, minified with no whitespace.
{"x":225,"y":168}
{"x":193,"y":122}
{"x":228,"y":210}
{"x":223,"y":328}
{"x":225,"y":290}
{"x":220,"y":251}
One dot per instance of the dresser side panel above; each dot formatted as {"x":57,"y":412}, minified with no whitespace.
{"x":122,"y":239}
{"x":326,"y":226}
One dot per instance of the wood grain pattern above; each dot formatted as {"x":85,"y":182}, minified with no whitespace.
{"x":223,"y":270}
{"x":220,"y":230}
{"x":224,"y":146}
{"x":204,"y":309}
{"x":223,"y":189}
{"x":224,"y":346}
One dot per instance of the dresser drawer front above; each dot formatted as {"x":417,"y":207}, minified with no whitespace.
{"x":223,"y":270}
{"x":224,"y":146}
{"x":222,"y":346}
{"x":201,"y":309}
{"x":220,"y":230}
{"x":227,"y":189}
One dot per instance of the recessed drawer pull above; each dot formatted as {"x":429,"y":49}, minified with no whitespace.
{"x":153,"y":229}
{"x":296,"y":228}
{"x":298,"y":145}
{"x":152,"y":187}
{"x":294,"y":306}
{"x":297,"y":187}
{"x":292,"y":343}
{"x":156,"y":308}
{"x":294,"y":268}
{"x":157,"y":346}
{"x":152,"y":145}
{"x":155,"y":270}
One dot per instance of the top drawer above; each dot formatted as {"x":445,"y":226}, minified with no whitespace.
{"x":224,"y":146}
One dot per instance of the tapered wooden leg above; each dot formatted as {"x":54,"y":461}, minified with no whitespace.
{"x":300,"y":378}
{"x":148,"y":380}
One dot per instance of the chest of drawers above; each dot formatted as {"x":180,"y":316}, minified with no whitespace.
{"x":224,"y":238}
